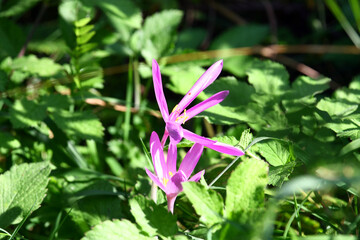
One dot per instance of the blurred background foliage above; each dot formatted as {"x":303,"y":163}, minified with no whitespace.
{"x":78,"y":106}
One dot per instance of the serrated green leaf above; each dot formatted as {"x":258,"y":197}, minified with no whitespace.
{"x":275,"y":152}
{"x":246,"y":138}
{"x":268,"y":77}
{"x":336,"y":108}
{"x":279,"y":174}
{"x":305,"y":86}
{"x":159,"y":33}
{"x":207,"y":203}
{"x":8,"y":141}
{"x":83,"y":125}
{"x":25,"y":113}
{"x":55,"y":101}
{"x":22,"y":189}
{"x":93,"y":201}
{"x":43,"y":67}
{"x":152,"y":218}
{"x":116,"y":229}
{"x":245,"y":191}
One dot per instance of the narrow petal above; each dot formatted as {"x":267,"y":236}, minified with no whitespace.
{"x":226,"y":148}
{"x":198,"y":108}
{"x":175,"y":132}
{"x":203,"y":82}
{"x":171,"y":158}
{"x":157,"y":155}
{"x":155,"y":179}
{"x":171,"y":202}
{"x":197,"y":176}
{"x":191,"y":159}
{"x":196,"y":138}
{"x":159,"y":91}
{"x":164,"y":138}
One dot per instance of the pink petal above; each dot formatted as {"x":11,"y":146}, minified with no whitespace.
{"x":203,"y":82}
{"x":171,"y":158}
{"x":197,"y":176}
{"x":155,"y":179}
{"x":157,"y":155}
{"x":159,"y":92}
{"x":171,"y":202}
{"x":191,"y":159}
{"x":211,"y":101}
{"x":164,"y":138}
{"x":196,"y":138}
{"x":175,"y":131}
{"x":174,"y":187}
{"x":226,"y":148}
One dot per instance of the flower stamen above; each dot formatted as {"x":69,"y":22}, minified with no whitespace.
{"x":165,"y":181}
{"x":182,"y":117}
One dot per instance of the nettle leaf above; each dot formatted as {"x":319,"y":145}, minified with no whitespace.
{"x":305,"y":86}
{"x":276,"y":153}
{"x":152,"y":218}
{"x":121,"y":11}
{"x":43,"y":67}
{"x":22,"y":189}
{"x":25,"y":113}
{"x":116,"y":229}
{"x":336,"y":108}
{"x":279,"y":174}
{"x":55,"y":101}
{"x":246,"y":138}
{"x":83,"y":125}
{"x":207,"y":203}
{"x":8,"y":141}
{"x":159,"y":33}
{"x":93,"y":201}
{"x":245,"y":190}
{"x":269,"y":77}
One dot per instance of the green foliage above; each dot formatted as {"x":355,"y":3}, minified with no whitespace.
{"x":25,"y":113}
{"x":116,"y":229}
{"x":82,"y":125}
{"x":207,"y":203}
{"x":22,"y":189}
{"x":153,"y":219}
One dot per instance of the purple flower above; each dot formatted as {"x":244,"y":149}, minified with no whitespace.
{"x":180,"y":115}
{"x":166,"y":176}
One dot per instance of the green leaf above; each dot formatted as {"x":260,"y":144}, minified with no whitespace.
{"x":83,"y":125}
{"x":207,"y":203}
{"x":82,"y":22}
{"x":80,"y":40}
{"x":55,"y":101}
{"x":93,"y":201}
{"x":152,"y":218}
{"x":247,"y":35}
{"x":328,"y":237}
{"x":159,"y":33}
{"x":116,"y":229}
{"x":43,"y":67}
{"x":25,"y":113}
{"x":352,"y":146}
{"x":275,"y":152}
{"x":16,"y":7}
{"x":279,"y":174}
{"x":8,"y":141}
{"x":12,"y":38}
{"x":121,"y":11}
{"x":268,"y":77}
{"x":336,"y":108}
{"x":191,"y":38}
{"x":22,"y":189}
{"x":305,"y":86}
{"x":245,"y":190}
{"x":246,"y":138}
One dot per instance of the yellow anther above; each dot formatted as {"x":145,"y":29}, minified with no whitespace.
{"x":165,"y":181}
{"x":171,"y":174}
{"x":175,"y":108}
{"x":182,"y":117}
